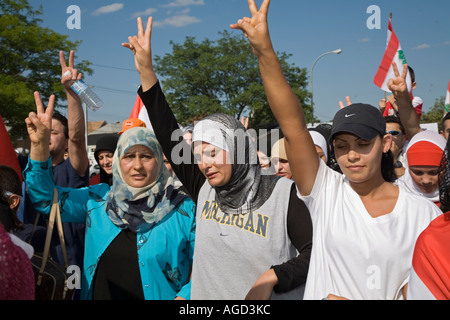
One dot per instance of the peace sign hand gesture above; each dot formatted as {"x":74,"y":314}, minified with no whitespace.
{"x":347,"y":100}
{"x":256,"y":28}
{"x":39,"y":127}
{"x":141,"y":47}
{"x":68,"y":73}
{"x":398,"y":84}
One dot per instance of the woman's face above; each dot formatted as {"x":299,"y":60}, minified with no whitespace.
{"x":214,"y":163}
{"x":360,"y":160}
{"x":105,"y":159}
{"x":138,"y":166}
{"x":282,"y":167}
{"x":425,"y":177}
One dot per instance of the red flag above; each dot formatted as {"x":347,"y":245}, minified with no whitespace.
{"x":8,"y":156}
{"x":393,"y":53}
{"x":430,"y":273}
{"x":140,"y":112}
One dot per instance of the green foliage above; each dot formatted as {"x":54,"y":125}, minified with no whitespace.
{"x":202,"y":78}
{"x":435,"y":114}
{"x":29,"y":61}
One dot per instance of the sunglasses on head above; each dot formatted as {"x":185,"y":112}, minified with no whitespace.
{"x":394,"y":132}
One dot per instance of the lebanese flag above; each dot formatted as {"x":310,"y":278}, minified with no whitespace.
{"x":447,"y":99}
{"x":393,"y":53}
{"x":8,"y":155}
{"x":430,"y":272}
{"x":140,"y":112}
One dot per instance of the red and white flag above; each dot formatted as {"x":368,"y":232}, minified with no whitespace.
{"x":140,"y":112}
{"x":393,"y":53}
{"x":430,"y":272}
{"x":447,"y":99}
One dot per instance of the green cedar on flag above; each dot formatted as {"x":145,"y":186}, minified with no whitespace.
{"x":393,"y":53}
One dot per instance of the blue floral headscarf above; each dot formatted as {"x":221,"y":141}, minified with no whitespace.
{"x":139,"y":209}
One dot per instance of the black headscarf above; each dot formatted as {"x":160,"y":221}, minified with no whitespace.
{"x":247,"y":189}
{"x":106,"y":143}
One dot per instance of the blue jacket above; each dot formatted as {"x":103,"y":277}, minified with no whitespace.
{"x":165,"y":252}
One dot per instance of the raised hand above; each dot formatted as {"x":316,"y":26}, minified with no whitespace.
{"x":256,"y":28}
{"x":39,"y":126}
{"x":68,"y":73}
{"x":347,"y":100}
{"x":402,"y":102}
{"x":244,"y":122}
{"x":140,"y":45}
{"x":398,"y":84}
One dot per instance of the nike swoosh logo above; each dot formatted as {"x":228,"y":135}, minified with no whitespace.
{"x":350,"y":115}
{"x":223,"y":235}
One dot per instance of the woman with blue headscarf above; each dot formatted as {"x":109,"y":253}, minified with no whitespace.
{"x":140,"y":231}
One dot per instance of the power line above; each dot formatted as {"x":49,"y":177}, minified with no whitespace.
{"x":113,"y":90}
{"x":112,"y":67}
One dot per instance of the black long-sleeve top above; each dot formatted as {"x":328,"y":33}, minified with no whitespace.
{"x":292,"y":273}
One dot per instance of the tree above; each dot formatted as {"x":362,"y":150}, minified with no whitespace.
{"x":29,"y":61}
{"x":435,"y":114}
{"x":222,"y":76}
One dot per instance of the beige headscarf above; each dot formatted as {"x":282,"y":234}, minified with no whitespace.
{"x":279,"y":150}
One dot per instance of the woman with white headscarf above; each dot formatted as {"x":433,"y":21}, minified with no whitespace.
{"x":320,"y":144}
{"x":253,"y":234}
{"x":140,"y":231}
{"x":423,"y":156}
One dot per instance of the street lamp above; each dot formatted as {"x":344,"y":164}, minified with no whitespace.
{"x":338,"y":51}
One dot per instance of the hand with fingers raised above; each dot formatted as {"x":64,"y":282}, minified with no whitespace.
{"x":68,"y":73}
{"x":398,"y":85}
{"x":403,"y":102}
{"x":347,"y":100}
{"x":141,"y":47}
{"x":256,"y":28}
{"x":39,"y":126}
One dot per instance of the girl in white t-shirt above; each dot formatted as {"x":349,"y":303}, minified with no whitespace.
{"x":364,"y":227}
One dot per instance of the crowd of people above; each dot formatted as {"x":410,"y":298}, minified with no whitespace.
{"x":355,"y":210}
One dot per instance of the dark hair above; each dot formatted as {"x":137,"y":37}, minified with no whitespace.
{"x":446,"y":117}
{"x":395,"y":119}
{"x":387,"y":167}
{"x":58,"y":116}
{"x":3,"y":197}
{"x":413,"y":74}
{"x":444,"y":180}
{"x":10,"y":180}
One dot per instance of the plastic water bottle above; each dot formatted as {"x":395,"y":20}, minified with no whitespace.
{"x":87,"y":95}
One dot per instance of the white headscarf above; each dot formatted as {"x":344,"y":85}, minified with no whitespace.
{"x":319,"y":140}
{"x":406,"y":180}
